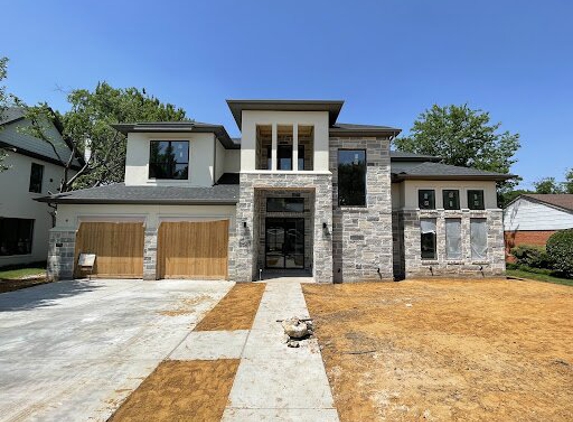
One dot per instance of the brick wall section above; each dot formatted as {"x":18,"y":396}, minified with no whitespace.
{"x":362,"y":236}
{"x":414,"y":266}
{"x":61,"y":251}
{"x":246,"y":246}
{"x":533,"y":237}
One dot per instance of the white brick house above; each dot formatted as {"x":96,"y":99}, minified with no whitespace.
{"x":298,"y":192}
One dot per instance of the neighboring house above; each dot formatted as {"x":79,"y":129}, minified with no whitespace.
{"x":298,"y":191}
{"x":34,"y":170}
{"x":532,"y":218}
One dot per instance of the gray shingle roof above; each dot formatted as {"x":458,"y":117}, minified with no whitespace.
{"x":410,"y":156}
{"x":120,"y":194}
{"x":13,"y":134}
{"x":438,"y":171}
{"x":351,"y":129}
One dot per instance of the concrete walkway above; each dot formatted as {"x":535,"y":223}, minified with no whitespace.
{"x":275,"y":382}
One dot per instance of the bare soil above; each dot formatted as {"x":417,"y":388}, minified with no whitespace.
{"x":236,"y":311}
{"x":462,"y":350}
{"x":181,"y":391}
{"x":11,"y":285}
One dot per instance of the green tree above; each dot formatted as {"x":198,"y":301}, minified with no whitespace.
{"x":568,"y":184}
{"x":464,"y":137}
{"x":87,"y":126}
{"x":548,"y":185}
{"x":7,"y":100}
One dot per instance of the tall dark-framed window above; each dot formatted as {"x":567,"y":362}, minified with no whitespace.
{"x":476,"y":200}
{"x":16,"y":236}
{"x":451,"y":199}
{"x":427,"y":199}
{"x":169,"y":160}
{"x":36,"y":178}
{"x":285,"y":204}
{"x":351,"y":177}
{"x":428,"y":238}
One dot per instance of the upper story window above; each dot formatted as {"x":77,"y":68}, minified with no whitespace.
{"x":36,"y":177}
{"x":351,"y":177}
{"x":451,"y":199}
{"x":284,"y":157}
{"x":291,"y":146}
{"x":169,"y":160}
{"x":476,"y":200}
{"x":427,"y":199}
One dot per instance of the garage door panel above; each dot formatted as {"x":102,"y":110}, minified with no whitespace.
{"x":118,"y":248}
{"x":193,"y":249}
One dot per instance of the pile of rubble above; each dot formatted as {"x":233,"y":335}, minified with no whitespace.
{"x":297,"y":329}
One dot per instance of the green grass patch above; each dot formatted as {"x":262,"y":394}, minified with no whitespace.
{"x":22,"y":273}
{"x":538,"y":276}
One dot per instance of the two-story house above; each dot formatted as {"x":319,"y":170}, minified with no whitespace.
{"x":298,"y":191}
{"x":34,"y":168}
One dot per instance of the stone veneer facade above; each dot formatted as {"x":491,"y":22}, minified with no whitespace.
{"x":61,"y":250}
{"x":247,"y":244}
{"x":407,"y":245}
{"x":362,"y":236}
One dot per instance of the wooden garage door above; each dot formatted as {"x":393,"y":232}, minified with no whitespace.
{"x":193,"y":249}
{"x":118,"y":248}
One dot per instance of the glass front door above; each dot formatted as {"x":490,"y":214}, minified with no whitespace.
{"x":284,"y":243}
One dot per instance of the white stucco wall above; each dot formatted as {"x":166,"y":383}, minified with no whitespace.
{"x":17,"y":202}
{"x":252,"y":118}
{"x":232,"y":161}
{"x":220,"y":154}
{"x":201,"y":158}
{"x":71,"y":215}
{"x":409,"y":196}
{"x":528,"y":215}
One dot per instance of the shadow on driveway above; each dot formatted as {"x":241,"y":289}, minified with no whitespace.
{"x":45,"y":295}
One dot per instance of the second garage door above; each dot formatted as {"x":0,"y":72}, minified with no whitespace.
{"x":193,"y":249}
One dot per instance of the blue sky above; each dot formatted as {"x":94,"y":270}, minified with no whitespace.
{"x":389,"y":60}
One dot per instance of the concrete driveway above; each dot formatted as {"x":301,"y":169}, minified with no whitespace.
{"x":73,"y":350}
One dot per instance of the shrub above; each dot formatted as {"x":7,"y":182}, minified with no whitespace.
{"x":560,"y":250}
{"x":531,"y":256}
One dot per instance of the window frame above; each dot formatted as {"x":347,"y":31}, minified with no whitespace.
{"x":433,"y":199}
{"x":469,"y":193}
{"x":33,"y":185}
{"x":16,"y":222}
{"x":362,"y":203}
{"x":435,"y":240}
{"x":297,"y":200}
{"x":459,"y":222}
{"x":172,"y":168}
{"x":445,"y":200}
{"x":472,"y":249}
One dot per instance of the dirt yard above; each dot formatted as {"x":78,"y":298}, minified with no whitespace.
{"x":181,"y":391}
{"x":435,"y":350}
{"x":236,"y":311}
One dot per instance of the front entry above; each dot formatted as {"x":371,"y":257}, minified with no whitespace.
{"x":284,"y":243}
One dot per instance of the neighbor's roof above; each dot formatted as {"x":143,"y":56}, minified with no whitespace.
{"x":401,"y":156}
{"x":563,"y":201}
{"x":438,"y":171}
{"x":178,"y":127}
{"x":13,"y":120}
{"x":118,"y":193}
{"x":332,"y":106}
{"x":350,"y":129}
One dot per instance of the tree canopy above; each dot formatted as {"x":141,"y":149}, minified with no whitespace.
{"x":463,"y":137}
{"x":87,"y":126}
{"x":551,"y":185}
{"x":6,"y":100}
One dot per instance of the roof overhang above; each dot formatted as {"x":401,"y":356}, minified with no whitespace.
{"x":368,"y":132}
{"x":56,"y":200}
{"x":399,"y":177}
{"x":178,"y":127}
{"x":237,"y":107}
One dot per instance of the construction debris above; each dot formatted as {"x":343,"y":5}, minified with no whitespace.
{"x":296,"y":329}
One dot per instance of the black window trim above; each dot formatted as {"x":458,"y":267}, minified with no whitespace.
{"x":31,"y":183}
{"x":32,"y":223}
{"x":365,"y":176}
{"x":444,"y":191}
{"x":433,"y":205}
{"x":469,"y":191}
{"x":169,"y":141}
